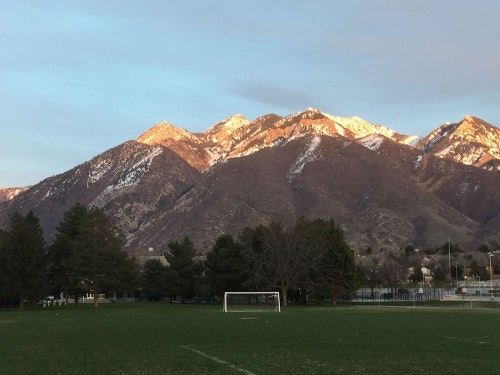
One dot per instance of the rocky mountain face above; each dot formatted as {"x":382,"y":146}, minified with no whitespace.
{"x":470,"y":141}
{"x":7,"y":194}
{"x":236,"y":136}
{"x":170,"y":182}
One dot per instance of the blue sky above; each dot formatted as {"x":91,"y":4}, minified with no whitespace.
{"x":80,"y":77}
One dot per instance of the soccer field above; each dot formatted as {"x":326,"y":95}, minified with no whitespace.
{"x":148,"y":338}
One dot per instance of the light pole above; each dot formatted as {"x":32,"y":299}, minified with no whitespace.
{"x":491,"y":276}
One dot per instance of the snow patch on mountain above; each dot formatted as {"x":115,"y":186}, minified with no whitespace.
{"x":97,"y":170}
{"x":360,"y":127}
{"x":462,"y":188}
{"x":445,"y":151}
{"x":139,"y":169}
{"x":64,"y":183}
{"x":411,"y":140}
{"x":131,"y":176}
{"x":417,"y":163}
{"x":309,"y":155}
{"x":372,"y":141}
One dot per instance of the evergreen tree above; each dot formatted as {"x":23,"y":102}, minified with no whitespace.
{"x":87,"y":254}
{"x":334,"y":272}
{"x":6,"y":297}
{"x":183,"y":272}
{"x":439,"y":275}
{"x":251,"y":242}
{"x":417,"y":275}
{"x":64,"y":274}
{"x":23,"y":258}
{"x":224,"y":266}
{"x":154,"y":280}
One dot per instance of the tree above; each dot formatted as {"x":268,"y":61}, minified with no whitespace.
{"x":251,"y":242}
{"x":483,"y":249}
{"x":224,"y":266}
{"x":183,"y":271}
{"x":449,"y":248}
{"x":312,"y":255}
{"x":417,"y":276}
{"x":334,"y":272}
{"x":409,"y":250}
{"x":390,"y":269}
{"x":64,"y":274}
{"x":274,"y":258}
{"x":439,"y":275}
{"x":6,"y":297}
{"x":154,"y":280}
{"x":282,"y":259}
{"x":23,"y":259}
{"x":87,"y":254}
{"x":478,"y":272}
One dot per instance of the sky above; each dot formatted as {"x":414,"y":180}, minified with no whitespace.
{"x":80,"y":77}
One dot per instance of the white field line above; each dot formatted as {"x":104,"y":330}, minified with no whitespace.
{"x":3,"y":323}
{"x":217,"y":360}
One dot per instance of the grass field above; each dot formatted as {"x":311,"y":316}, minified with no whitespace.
{"x":147,"y":338}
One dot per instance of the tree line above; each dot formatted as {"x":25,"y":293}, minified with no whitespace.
{"x":310,"y":257}
{"x":86,"y":256}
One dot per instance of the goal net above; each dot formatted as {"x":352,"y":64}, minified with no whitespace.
{"x":251,"y":301}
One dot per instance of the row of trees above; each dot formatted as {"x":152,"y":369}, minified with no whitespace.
{"x":86,"y":256}
{"x":311,"y":256}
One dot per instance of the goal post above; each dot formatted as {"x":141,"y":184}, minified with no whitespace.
{"x":251,"y":302}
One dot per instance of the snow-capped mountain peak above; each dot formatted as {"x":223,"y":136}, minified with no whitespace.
{"x":471,"y":141}
{"x":162,"y":131}
{"x":226,"y":127}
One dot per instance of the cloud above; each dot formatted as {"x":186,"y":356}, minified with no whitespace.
{"x":275,"y":95}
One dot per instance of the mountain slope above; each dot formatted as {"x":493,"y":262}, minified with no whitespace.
{"x":129,"y":181}
{"x":379,"y":199}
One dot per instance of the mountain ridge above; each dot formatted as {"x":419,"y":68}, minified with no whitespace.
{"x":170,"y":182}
{"x":168,"y":134}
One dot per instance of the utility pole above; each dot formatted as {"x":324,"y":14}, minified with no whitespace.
{"x":491,"y":277}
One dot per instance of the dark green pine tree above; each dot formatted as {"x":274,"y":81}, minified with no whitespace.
{"x":23,"y":259}
{"x":334,"y":272}
{"x":64,"y":274}
{"x":183,"y":272}
{"x":224,"y":267}
{"x":87,"y":254}
{"x":154,"y":280}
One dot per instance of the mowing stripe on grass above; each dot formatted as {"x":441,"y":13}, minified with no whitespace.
{"x":218,"y":360}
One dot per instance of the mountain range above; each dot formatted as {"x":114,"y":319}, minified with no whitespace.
{"x":386,"y":189}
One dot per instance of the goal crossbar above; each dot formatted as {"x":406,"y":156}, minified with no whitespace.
{"x":252,"y":301}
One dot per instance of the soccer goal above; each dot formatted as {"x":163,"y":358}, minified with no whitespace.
{"x":251,"y":301}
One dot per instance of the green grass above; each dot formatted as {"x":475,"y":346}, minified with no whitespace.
{"x":144,"y":338}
